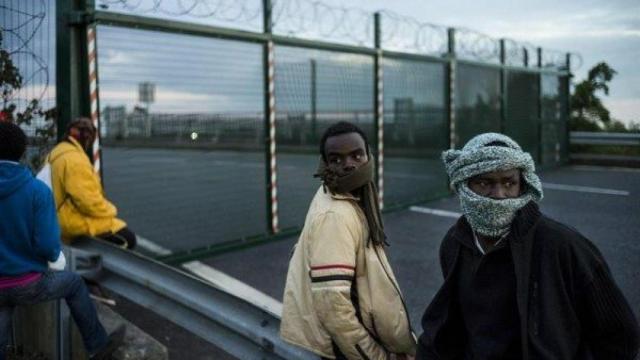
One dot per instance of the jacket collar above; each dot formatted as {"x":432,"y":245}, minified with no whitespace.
{"x":525,"y":221}
{"x":343,"y":196}
{"x":75,"y":143}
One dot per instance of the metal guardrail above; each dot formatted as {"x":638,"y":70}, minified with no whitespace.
{"x":604,"y":138}
{"x":230,"y":323}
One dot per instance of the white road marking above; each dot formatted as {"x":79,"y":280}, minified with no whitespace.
{"x":604,"y":168}
{"x":437,"y":212}
{"x":407,"y":176}
{"x":236,"y":287}
{"x":220,"y":280}
{"x":585,"y":189}
{"x":151,"y":247}
{"x":164,"y":160}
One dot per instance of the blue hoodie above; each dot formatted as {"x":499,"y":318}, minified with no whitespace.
{"x":29,"y":230}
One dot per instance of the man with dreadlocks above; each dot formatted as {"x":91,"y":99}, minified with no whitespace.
{"x":519,"y":285}
{"x":341,"y":299}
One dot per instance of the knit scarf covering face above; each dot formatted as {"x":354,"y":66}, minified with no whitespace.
{"x":361,"y":179}
{"x":490,"y":217}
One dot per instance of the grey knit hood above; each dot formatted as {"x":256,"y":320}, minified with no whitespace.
{"x":486,"y":153}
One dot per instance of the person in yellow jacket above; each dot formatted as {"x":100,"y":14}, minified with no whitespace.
{"x":79,"y":198}
{"x":341,"y":299}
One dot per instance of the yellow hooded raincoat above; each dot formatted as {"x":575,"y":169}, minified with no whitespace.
{"x":82,"y":207}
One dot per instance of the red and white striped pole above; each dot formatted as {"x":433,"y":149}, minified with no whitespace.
{"x":273,"y":181}
{"x":380,"y":124}
{"x":378,"y":103}
{"x":93,"y":95}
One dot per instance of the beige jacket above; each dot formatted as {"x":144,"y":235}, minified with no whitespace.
{"x":330,"y":257}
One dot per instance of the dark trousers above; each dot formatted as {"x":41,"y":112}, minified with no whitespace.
{"x":51,"y":286}
{"x":124,"y":238}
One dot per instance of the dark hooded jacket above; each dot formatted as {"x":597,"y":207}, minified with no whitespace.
{"x":568,"y":303}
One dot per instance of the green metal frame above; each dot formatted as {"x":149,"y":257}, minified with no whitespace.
{"x":228,"y":246}
{"x":503,"y":87}
{"x":377,"y":65}
{"x":264,"y":239}
{"x":73,"y":87}
{"x":72,"y":67}
{"x":540,"y":120}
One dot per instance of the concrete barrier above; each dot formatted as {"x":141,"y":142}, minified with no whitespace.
{"x":38,"y":333}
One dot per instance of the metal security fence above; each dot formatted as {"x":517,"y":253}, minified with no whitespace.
{"x":522,"y":110}
{"x":186,"y":164}
{"x":27,"y":38}
{"x":314,"y":89}
{"x":554,"y":135}
{"x":478,"y":101}
{"x":416,"y":129}
{"x":211,"y":112}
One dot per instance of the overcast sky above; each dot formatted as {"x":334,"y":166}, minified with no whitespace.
{"x":599,"y":30}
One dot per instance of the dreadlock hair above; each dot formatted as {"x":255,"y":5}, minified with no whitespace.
{"x":13,"y":142}
{"x":340,"y":128}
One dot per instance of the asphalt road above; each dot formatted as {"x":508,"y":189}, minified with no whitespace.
{"x":183,"y":199}
{"x":612,"y":222}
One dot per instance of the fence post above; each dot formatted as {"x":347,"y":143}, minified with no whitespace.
{"x":503,"y":86}
{"x":568,"y":108}
{"x":270,"y":121}
{"x":378,"y":104}
{"x":540,"y":118}
{"x":451,"y":88}
{"x":314,"y":100}
{"x":72,"y":87}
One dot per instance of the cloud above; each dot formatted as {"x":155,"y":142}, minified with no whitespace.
{"x":174,"y":101}
{"x":116,"y":57}
{"x":592,"y":23}
{"x":625,"y":109}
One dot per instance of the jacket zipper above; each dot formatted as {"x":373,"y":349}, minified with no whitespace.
{"x":361,"y":352}
{"x":406,"y":313}
{"x":373,"y":325}
{"x":534,"y":305}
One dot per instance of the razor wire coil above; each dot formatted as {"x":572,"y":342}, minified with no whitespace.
{"x":25,"y":40}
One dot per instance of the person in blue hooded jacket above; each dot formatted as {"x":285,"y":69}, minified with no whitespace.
{"x":31,"y":261}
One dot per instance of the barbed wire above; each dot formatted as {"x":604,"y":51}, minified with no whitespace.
{"x":513,"y":53}
{"x":22,"y":24}
{"x":316,"y":19}
{"x":520,"y":53}
{"x":576,"y":61}
{"x":552,"y":58}
{"x":233,"y":11}
{"x":404,"y":33}
{"x":474,"y":45}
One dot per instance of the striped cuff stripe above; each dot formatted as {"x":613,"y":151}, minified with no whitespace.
{"x":335,"y":266}
{"x":331,"y":278}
